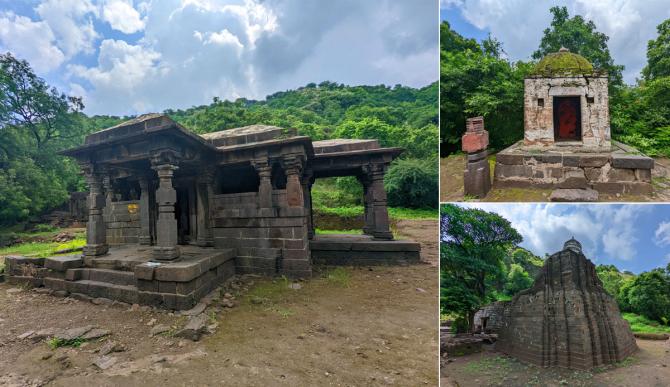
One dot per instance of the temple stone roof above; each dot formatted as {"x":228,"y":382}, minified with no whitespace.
{"x":343,"y":145}
{"x":563,"y":63}
{"x":247,"y":135}
{"x":143,"y":123}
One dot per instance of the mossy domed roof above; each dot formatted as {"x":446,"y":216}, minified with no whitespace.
{"x":563,"y":63}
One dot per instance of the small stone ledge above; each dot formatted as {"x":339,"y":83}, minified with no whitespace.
{"x":64,"y":263}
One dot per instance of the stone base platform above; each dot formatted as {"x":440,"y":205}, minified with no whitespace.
{"x":127,"y":274}
{"x":619,"y":170}
{"x":362,"y":250}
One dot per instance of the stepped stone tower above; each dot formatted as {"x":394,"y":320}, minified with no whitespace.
{"x":566,"y":319}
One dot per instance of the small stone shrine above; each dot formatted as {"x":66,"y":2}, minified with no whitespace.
{"x":477,"y":174}
{"x":567,"y":142}
{"x":566,"y":319}
{"x":172,"y":214}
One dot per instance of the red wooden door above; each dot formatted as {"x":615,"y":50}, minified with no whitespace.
{"x":567,"y":119}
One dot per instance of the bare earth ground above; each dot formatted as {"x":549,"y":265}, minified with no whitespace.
{"x":650,"y":366}
{"x":377,"y":328}
{"x":451,"y":186}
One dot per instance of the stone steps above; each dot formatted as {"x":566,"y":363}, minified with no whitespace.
{"x":116,"y":277}
{"x":95,"y":289}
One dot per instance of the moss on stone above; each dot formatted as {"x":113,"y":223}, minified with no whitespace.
{"x":563,"y":63}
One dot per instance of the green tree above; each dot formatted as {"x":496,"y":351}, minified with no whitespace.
{"x":517,"y":280}
{"x":473,"y":244}
{"x":658,"y":54}
{"x":475,"y":80}
{"x":649,"y":295}
{"x":581,"y":37}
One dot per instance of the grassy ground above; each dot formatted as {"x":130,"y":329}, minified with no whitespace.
{"x":326,"y":232}
{"x":395,"y":213}
{"x":641,"y":324}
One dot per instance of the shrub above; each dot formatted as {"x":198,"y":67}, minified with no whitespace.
{"x":412,"y":183}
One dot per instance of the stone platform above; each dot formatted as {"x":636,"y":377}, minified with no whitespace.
{"x":616,"y":170}
{"x":127,"y":274}
{"x":362,"y":250}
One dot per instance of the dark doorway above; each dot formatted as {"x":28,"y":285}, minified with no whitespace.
{"x":182,"y":215}
{"x":567,"y":119}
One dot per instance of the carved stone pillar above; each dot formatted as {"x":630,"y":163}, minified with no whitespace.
{"x":145,"y":217}
{"x":205,"y":189}
{"x":166,"y":196}
{"x":108,"y":192}
{"x":307,"y":181}
{"x":294,"y":191}
{"x":265,"y":187}
{"x":96,"y":232}
{"x":379,"y":214}
{"x":369,"y":220}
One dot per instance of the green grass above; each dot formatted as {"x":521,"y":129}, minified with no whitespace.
{"x":641,"y":324}
{"x":326,"y":232}
{"x":41,"y":249}
{"x":58,"y":343}
{"x":397,"y":213}
{"x":339,"y":276}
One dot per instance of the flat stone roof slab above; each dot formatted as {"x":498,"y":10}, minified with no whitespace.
{"x":343,"y":145}
{"x":247,"y":135}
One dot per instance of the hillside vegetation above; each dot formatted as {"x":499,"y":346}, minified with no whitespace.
{"x":37,"y":121}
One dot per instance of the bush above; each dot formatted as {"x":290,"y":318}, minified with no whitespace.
{"x":412,"y":183}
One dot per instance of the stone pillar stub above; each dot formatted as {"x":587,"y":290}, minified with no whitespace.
{"x":376,"y":192}
{"x":205,"y":189}
{"x":166,"y":196}
{"x":477,"y":173}
{"x":145,"y":217}
{"x":96,"y":233}
{"x":264,"y":170}
{"x":294,"y":192}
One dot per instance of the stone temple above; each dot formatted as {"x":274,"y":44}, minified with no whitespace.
{"x":566,"y":319}
{"x":172,"y":214}
{"x":567,"y":141}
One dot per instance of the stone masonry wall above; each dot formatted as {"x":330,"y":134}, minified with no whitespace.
{"x":566,"y":319}
{"x":269,"y":241}
{"x":539,"y":120}
{"x":494,"y":313}
{"x":123,"y":222}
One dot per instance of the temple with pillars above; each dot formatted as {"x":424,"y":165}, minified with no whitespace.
{"x":172,"y":214}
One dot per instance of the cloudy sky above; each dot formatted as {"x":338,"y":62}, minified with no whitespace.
{"x":633,"y":237}
{"x":519,"y":24}
{"x":126,"y":56}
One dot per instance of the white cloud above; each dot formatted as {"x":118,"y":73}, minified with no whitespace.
{"x":121,"y":67}
{"x":662,"y":234}
{"x":193,"y":50}
{"x":71,"y":22}
{"x":121,"y":16}
{"x":519,"y":24}
{"x":29,"y":40}
{"x":545,"y":227}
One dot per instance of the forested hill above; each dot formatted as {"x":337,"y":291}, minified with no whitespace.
{"x":398,"y":116}
{"x":35,"y":179}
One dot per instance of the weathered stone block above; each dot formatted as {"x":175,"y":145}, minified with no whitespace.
{"x":632,"y":161}
{"x":509,"y":158}
{"x":63,"y":263}
{"x":475,"y":141}
{"x":144,"y":271}
{"x":593,"y":160}
{"x":619,"y":174}
{"x":643,"y":175}
{"x":167,"y":287}
{"x":505,"y":171}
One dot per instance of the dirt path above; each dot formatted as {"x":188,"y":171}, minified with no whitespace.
{"x":650,"y":366}
{"x":357,"y":326}
{"x":451,"y":186}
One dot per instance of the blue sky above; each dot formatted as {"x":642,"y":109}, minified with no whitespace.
{"x":139,"y":56}
{"x":634,"y":237}
{"x":519,"y":24}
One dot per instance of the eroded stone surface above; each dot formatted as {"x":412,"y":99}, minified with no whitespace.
{"x":566,"y":318}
